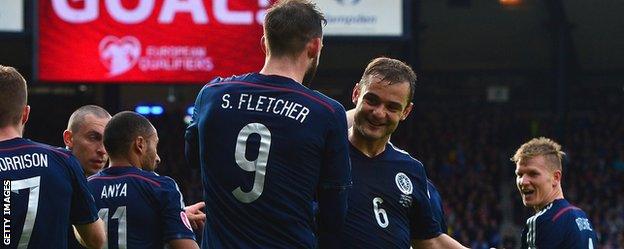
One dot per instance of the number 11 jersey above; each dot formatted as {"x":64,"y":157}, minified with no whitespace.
{"x":141,"y":209}
{"x":266,"y":145}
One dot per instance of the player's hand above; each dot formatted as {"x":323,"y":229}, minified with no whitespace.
{"x":195,"y":215}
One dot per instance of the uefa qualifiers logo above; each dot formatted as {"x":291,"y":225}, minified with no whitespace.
{"x":119,"y":54}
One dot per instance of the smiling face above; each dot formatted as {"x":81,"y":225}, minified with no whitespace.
{"x":538,"y":183}
{"x":380,"y":106}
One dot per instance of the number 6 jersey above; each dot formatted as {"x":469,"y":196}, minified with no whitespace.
{"x":44,"y":191}
{"x":389,"y":204}
{"x":268,"y":146}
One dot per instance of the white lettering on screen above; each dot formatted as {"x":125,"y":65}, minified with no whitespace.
{"x":170,"y":8}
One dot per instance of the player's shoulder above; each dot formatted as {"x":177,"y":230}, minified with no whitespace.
{"x":217,"y":80}
{"x":242,"y":77}
{"x":165,"y":182}
{"x":53,"y":150}
{"x":567,"y":214}
{"x":336,"y":107}
{"x":431,"y":185}
{"x":559,"y":214}
{"x":402,"y":157}
{"x":399,"y":154}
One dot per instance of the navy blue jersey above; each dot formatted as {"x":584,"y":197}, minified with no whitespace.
{"x":436,"y":205}
{"x":267,"y":146}
{"x":388,"y":204}
{"x":559,"y":225}
{"x":141,"y":209}
{"x":44,"y":191}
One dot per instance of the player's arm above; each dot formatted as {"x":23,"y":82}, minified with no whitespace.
{"x":435,"y":199}
{"x":88,"y":228}
{"x":91,"y":235}
{"x":424,"y":227}
{"x":191,"y":135}
{"x":567,"y":231}
{"x":442,"y":241}
{"x":334,"y":183}
{"x":182,"y":244}
{"x":177,"y":231}
{"x":191,"y":142}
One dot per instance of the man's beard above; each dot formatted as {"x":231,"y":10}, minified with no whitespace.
{"x":309,"y":75}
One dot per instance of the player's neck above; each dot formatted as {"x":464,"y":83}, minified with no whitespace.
{"x":368,"y":147}
{"x":555,"y":195}
{"x":123,"y":162}
{"x":9,"y":132}
{"x":284,"y":66}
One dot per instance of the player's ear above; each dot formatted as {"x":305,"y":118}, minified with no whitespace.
{"x":557,"y":177}
{"x":355,"y":94}
{"x":407,"y":110}
{"x":314,"y":47}
{"x":25,"y":114}
{"x":140,"y":144}
{"x":68,"y":138}
{"x":263,"y":45}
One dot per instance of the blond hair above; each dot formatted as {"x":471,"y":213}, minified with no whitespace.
{"x":541,"y":146}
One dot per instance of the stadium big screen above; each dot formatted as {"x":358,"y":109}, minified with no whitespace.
{"x":147,"y":41}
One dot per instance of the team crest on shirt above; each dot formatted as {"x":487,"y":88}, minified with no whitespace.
{"x":404,"y":183}
{"x":405,"y":186}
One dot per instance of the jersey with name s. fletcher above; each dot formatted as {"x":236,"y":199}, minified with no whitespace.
{"x":267,"y":145}
{"x":389,"y":203}
{"x":44,"y":191}
{"x":559,"y":225}
{"x":141,"y":209}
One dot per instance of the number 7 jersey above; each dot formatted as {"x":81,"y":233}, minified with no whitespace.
{"x":44,"y":191}
{"x":266,"y":145}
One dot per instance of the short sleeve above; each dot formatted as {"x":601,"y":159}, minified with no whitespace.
{"x":580,"y":233}
{"x":423,"y":224}
{"x":82,"y":209}
{"x":336,"y":168}
{"x":175,"y":223}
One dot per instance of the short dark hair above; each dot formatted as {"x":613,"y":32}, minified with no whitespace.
{"x":290,"y":24}
{"x":13,"y":96}
{"x":121,"y":131}
{"x":391,"y":70}
{"x":78,"y":116}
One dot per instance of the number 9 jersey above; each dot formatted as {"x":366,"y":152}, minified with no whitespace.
{"x":44,"y":191}
{"x":268,"y":146}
